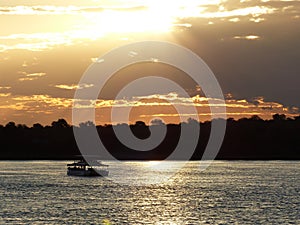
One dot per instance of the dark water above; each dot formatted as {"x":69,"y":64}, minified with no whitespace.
{"x":252,"y":192}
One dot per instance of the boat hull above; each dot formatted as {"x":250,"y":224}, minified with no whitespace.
{"x":87,"y":173}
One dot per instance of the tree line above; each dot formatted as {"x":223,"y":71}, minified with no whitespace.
{"x":245,"y":138}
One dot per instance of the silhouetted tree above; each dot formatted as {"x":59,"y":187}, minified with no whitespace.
{"x":192,"y":121}
{"x":139,"y":123}
{"x":37,"y":126}
{"x":61,"y":123}
{"x":10,"y":125}
{"x":87,"y":124}
{"x":22,"y":126}
{"x":157,"y":122}
{"x":279,"y":117}
{"x":230,"y":119}
{"x":244,"y":119}
{"x":256,"y":118}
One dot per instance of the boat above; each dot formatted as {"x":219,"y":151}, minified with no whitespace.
{"x":82,"y":168}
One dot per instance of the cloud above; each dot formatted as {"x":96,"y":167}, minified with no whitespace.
{"x":235,"y":107}
{"x":5,"y":94}
{"x":3,"y":91}
{"x":41,"y":101}
{"x":94,"y":59}
{"x":255,"y":11}
{"x":27,"y":78}
{"x":34,"y":108}
{"x":247,"y":37}
{"x":234,"y":20}
{"x":60,"y":10}
{"x":73,"y":86}
{"x":141,"y":107}
{"x":30,"y":76}
{"x":38,"y":10}
{"x":37,"y":41}
{"x":35,"y":74}
{"x":67,"y":87}
{"x":257,"y":20}
{"x":5,"y":87}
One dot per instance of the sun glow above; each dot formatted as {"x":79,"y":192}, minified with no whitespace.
{"x":113,"y":21}
{"x":121,"y":19}
{"x":154,"y":16}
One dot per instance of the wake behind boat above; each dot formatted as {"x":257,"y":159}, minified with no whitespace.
{"x":83,"y":168}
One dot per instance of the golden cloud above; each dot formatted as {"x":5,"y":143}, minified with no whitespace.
{"x":30,"y":76}
{"x":147,"y":107}
{"x":73,"y":86}
{"x":247,"y":37}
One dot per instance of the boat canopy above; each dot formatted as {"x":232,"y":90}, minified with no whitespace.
{"x":90,"y":163}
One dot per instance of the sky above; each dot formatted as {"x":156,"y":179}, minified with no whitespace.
{"x":252,"y":47}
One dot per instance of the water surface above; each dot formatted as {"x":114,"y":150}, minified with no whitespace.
{"x":234,"y":192}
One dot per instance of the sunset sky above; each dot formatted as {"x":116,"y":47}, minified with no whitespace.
{"x":253,"y":48}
